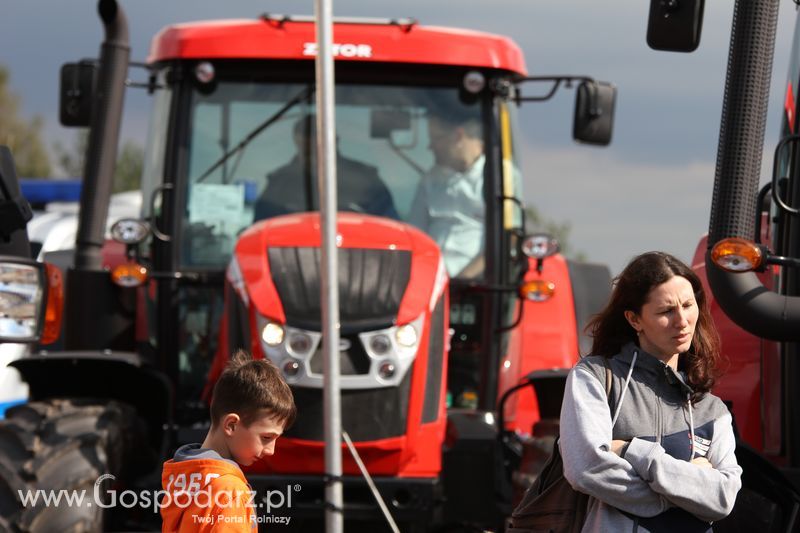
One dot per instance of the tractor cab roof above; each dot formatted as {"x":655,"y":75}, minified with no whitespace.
{"x":293,"y":38}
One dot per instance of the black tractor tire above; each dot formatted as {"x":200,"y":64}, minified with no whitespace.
{"x":63,"y":445}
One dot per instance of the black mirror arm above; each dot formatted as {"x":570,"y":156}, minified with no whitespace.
{"x":556,"y":81}
{"x":523,"y":259}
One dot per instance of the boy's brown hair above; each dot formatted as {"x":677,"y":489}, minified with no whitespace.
{"x":249,"y":387}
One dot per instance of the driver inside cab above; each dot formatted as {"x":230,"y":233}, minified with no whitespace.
{"x":292,"y":188}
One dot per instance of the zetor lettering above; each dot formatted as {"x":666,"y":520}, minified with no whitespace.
{"x":344,"y":50}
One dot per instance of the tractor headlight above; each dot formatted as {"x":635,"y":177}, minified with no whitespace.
{"x":22,"y":300}
{"x":272,"y":334}
{"x":400,"y":342}
{"x":406,"y":336}
{"x":130,"y":230}
{"x":380,"y":344}
{"x":540,"y":246}
{"x":300,"y":343}
{"x":291,"y":368}
{"x":387,"y":370}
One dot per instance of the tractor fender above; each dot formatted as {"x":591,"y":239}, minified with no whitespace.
{"x":122,"y":376}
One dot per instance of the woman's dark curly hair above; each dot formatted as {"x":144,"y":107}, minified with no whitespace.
{"x":610,"y":329}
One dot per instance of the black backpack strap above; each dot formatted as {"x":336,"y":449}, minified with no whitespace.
{"x":609,"y":374}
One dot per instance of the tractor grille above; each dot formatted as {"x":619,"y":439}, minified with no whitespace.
{"x":367,"y":414}
{"x":371,"y":285}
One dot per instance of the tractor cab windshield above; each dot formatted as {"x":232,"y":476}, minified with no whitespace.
{"x":413,"y":154}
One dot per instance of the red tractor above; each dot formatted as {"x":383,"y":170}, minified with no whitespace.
{"x":437,"y":322}
{"x":749,"y":261}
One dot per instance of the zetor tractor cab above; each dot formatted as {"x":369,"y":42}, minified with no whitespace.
{"x":437,"y":318}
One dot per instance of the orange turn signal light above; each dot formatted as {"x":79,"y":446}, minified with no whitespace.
{"x":129,"y":275}
{"x":55,"y":304}
{"x":538,"y":290}
{"x":737,"y":255}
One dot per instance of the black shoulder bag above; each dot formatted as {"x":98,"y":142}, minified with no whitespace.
{"x":551,"y":504}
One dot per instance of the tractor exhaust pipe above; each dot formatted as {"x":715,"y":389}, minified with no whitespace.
{"x":108,"y":322}
{"x":101,"y":152}
{"x":743,"y":297}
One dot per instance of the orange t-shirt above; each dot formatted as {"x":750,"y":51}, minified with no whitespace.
{"x":205,"y":495}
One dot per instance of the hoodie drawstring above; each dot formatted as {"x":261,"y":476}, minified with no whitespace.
{"x":691,"y":422}
{"x":622,"y":397}
{"x":624,"y":389}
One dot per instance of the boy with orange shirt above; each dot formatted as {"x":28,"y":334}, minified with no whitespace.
{"x":205,"y":488}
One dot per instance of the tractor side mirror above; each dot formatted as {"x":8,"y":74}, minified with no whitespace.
{"x":77,"y":93}
{"x":675,"y":25}
{"x":31,"y":300}
{"x":594,"y":112}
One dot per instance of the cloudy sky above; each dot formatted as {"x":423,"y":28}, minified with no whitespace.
{"x":651,"y":189}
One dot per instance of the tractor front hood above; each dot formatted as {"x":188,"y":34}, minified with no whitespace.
{"x":354,"y":231}
{"x":389,"y":272}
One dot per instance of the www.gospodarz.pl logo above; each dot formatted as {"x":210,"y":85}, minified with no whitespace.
{"x":184,"y":491}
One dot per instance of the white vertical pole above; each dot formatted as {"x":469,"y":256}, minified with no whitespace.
{"x":326,"y":176}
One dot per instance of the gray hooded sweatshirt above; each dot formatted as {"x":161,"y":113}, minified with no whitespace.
{"x":653,"y":487}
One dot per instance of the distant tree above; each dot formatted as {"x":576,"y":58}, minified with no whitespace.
{"x":127,"y":172}
{"x":535,"y":222}
{"x":21,"y":136}
{"x":71,"y":160}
